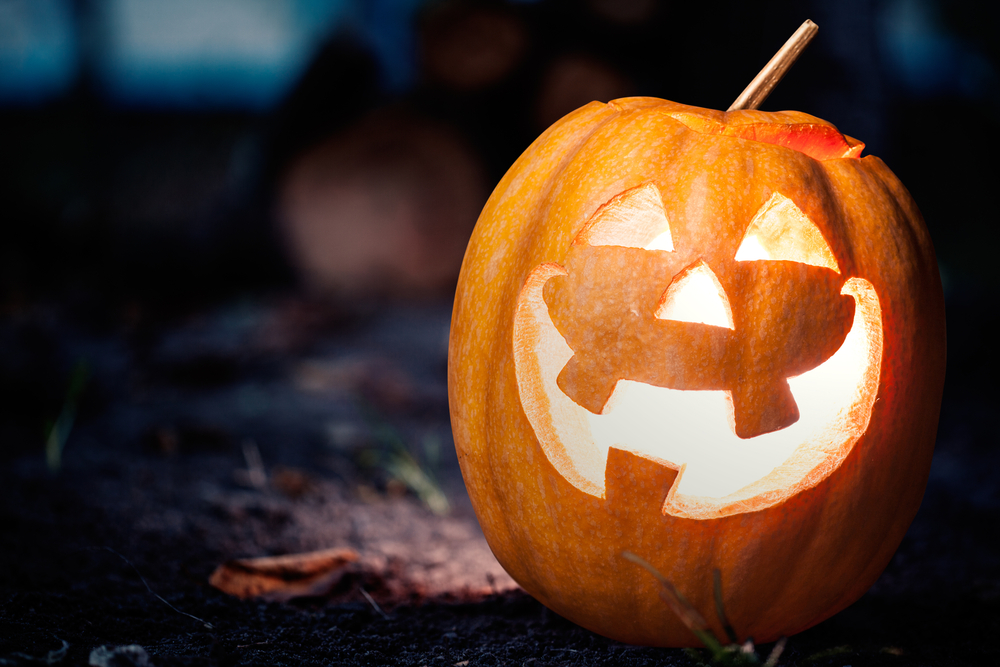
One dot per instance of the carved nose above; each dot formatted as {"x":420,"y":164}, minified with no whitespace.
{"x":696,"y":296}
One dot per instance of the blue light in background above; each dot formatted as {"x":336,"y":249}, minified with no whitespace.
{"x":208,"y":53}
{"x":925,"y":59}
{"x":248,"y":54}
{"x":38,"y":50}
{"x":388,"y":28}
{"x":191,"y":54}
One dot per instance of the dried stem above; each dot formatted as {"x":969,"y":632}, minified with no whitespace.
{"x":762,"y":85}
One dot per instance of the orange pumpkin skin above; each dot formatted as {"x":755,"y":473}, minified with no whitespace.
{"x":786,"y":564}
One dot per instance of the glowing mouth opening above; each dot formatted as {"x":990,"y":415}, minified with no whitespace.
{"x":720,"y":474}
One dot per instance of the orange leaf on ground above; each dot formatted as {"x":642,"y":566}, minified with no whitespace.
{"x":283,"y":577}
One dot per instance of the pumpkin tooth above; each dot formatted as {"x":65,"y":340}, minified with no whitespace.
{"x":763,"y":405}
{"x":588,"y":386}
{"x":634,"y":480}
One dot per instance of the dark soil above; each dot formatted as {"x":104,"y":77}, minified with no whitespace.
{"x":158,"y":485}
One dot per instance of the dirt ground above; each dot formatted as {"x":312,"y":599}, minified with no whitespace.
{"x":276,"y":426}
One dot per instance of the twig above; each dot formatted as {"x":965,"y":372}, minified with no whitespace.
{"x":374,"y":604}
{"x":779,"y":646}
{"x":733,"y":654}
{"x":829,"y":653}
{"x":256,"y":474}
{"x":58,"y":434}
{"x":720,"y":610}
{"x":684,"y":610}
{"x":397,"y":460}
{"x":776,"y":68}
{"x":154,"y":593}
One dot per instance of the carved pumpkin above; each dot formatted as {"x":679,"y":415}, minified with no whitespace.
{"x":712,"y":339}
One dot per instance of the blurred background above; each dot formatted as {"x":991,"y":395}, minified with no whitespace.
{"x":230,"y":232}
{"x":193,"y":188}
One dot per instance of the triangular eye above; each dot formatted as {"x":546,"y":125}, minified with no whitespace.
{"x":696,"y":295}
{"x":635,"y":219}
{"x":781,"y":231}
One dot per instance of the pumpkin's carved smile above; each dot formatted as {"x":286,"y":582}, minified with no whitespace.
{"x":785,"y":310}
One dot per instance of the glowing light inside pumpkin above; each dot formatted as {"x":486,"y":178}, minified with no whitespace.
{"x":696,"y":296}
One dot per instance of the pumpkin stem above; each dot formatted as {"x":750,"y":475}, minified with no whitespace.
{"x":776,"y":68}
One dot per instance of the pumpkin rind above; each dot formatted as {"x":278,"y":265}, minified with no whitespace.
{"x":785,"y":567}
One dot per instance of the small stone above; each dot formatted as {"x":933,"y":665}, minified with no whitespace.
{"x":131,"y":655}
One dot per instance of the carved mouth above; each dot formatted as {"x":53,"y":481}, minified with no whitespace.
{"x":690,"y":431}
{"x":750,"y":403}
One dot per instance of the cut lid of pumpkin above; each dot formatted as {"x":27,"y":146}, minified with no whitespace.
{"x":820,"y":141}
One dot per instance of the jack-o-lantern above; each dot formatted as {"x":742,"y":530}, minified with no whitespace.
{"x":713,"y":339}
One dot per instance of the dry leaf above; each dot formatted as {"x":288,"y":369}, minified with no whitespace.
{"x":283,"y":577}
